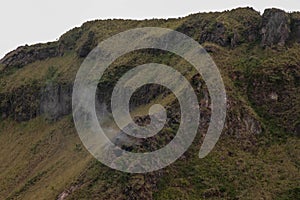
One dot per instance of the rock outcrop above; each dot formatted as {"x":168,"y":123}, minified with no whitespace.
{"x":56,"y":101}
{"x":216,"y":35}
{"x":275,"y":27}
{"x":27,"y":102}
{"x":28,"y":54}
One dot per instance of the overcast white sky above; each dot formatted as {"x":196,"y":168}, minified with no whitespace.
{"x":33,"y":21}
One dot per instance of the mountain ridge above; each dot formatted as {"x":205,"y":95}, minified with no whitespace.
{"x":292,"y":19}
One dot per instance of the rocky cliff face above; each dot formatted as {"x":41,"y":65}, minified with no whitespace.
{"x":275,"y":27}
{"x":25,"y":103}
{"x":258,"y":57}
{"x":55,"y":101}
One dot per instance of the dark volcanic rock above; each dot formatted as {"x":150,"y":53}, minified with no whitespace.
{"x":25,"y":55}
{"x":56,"y":101}
{"x":204,"y":30}
{"x":229,"y":28}
{"x":27,"y":102}
{"x":88,"y":45}
{"x":275,"y":27}
{"x":295,"y":26}
{"x":216,"y":35}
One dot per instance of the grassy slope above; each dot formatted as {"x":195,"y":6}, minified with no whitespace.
{"x":38,"y":158}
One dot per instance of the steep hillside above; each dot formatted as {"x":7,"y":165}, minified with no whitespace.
{"x":257,"y":156}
